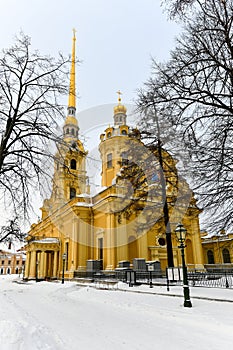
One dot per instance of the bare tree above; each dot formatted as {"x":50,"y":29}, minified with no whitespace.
{"x":11,"y":232}
{"x":195,"y":90}
{"x":177,"y":8}
{"x":30,"y":86}
{"x":153,"y":187}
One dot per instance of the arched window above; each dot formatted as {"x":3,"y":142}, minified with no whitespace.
{"x":73,"y":164}
{"x":210,"y":257}
{"x":109,"y":134}
{"x":124,"y":157}
{"x":123,"y":132}
{"x":72,"y":131}
{"x":226,"y":256}
{"x":67,"y":131}
{"x":72,"y":192}
{"x":109,"y":160}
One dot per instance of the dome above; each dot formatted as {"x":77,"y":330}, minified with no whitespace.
{"x":71,"y":120}
{"x":120,"y":109}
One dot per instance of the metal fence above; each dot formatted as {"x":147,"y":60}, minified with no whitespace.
{"x":211,"y":279}
{"x":198,"y":279}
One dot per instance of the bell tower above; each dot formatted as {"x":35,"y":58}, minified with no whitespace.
{"x":114,"y":144}
{"x":69,"y":179}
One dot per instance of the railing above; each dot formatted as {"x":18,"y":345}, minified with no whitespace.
{"x":141,"y":277}
{"x":198,"y":279}
{"x":211,"y":279}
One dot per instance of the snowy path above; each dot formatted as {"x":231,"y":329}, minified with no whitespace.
{"x":54,"y":316}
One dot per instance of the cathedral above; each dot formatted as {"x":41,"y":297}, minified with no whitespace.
{"x":125,"y":220}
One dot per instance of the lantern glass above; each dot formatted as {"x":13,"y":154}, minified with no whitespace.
{"x":180,"y":233}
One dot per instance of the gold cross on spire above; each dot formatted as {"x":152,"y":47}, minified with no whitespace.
{"x":119,"y":96}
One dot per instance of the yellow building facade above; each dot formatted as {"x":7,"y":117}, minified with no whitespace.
{"x":125,"y":220}
{"x":218,"y":251}
{"x":11,"y":263}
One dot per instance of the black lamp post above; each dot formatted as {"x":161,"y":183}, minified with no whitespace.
{"x":63,"y":267}
{"x":180,"y":234}
{"x":37,"y":269}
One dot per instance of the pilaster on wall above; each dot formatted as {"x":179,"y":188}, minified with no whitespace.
{"x":110,"y":243}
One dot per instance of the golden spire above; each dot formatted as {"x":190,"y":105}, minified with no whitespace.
{"x":72,"y":94}
{"x":70,"y":128}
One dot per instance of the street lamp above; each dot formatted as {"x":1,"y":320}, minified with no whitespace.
{"x":180,"y":235}
{"x":37,"y":270}
{"x":63,"y":267}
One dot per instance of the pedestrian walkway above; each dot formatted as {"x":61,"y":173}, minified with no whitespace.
{"x":212,"y":294}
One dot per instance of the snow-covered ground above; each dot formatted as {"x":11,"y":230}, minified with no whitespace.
{"x":48,"y":315}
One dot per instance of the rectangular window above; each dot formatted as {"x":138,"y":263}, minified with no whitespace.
{"x":17,"y":262}
{"x":9,"y":262}
{"x":109,"y":160}
{"x":2,"y":262}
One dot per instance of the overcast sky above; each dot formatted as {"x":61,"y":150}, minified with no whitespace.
{"x":115,"y":42}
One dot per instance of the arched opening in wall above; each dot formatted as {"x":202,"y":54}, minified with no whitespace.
{"x":17,"y":270}
{"x":226,"y":256}
{"x":72,"y":131}
{"x":189,"y":252}
{"x":210,"y":257}
{"x":124,"y":158}
{"x":73,"y":164}
{"x":8,"y":271}
{"x":132,"y":248}
{"x":72,"y":192}
{"x":2,"y":271}
{"x":109,"y":160}
{"x":101,"y":251}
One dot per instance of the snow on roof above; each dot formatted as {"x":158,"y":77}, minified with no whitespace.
{"x":84,"y":195}
{"x":83,"y":204}
{"x":47,"y":240}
